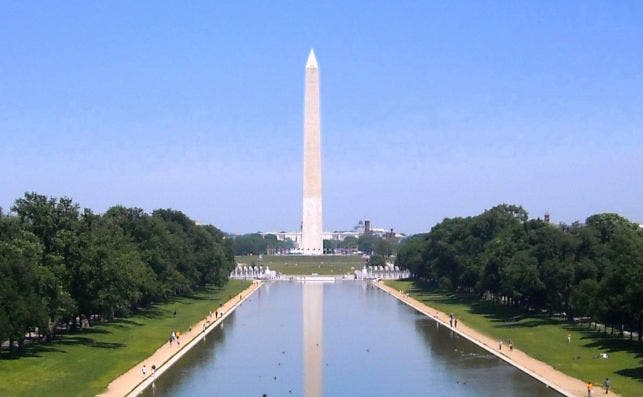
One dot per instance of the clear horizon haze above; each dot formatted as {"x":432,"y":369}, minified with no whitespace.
{"x":429,"y":109}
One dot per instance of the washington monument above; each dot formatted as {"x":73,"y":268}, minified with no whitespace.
{"x":311,"y":227}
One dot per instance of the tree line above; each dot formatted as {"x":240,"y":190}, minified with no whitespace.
{"x":258,"y":244}
{"x":591,"y":270}
{"x":59,"y":263}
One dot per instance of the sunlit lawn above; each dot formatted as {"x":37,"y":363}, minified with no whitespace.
{"x":298,"y":265}
{"x":545,"y":338}
{"x":83,"y":363}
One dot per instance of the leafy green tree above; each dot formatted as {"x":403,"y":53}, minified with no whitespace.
{"x":21,"y":305}
{"x":385,"y":247}
{"x":366,"y":243}
{"x":583,"y":299}
{"x":590,"y":269}
{"x":54,"y":222}
{"x":349,"y":243}
{"x":58,"y":263}
{"x":377,"y":260}
{"x":411,"y":255}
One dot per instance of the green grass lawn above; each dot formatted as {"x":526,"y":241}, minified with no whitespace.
{"x":545,"y":338}
{"x":83,"y":363}
{"x":298,"y":265}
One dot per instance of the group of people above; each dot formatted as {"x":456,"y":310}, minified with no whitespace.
{"x":501,"y":343}
{"x":217,"y":314}
{"x":144,"y":370}
{"x":453,"y":321}
{"x":404,"y":294}
{"x":606,"y":386}
{"x":174,"y":337}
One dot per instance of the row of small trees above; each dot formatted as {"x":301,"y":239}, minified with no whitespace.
{"x":258,"y":244}
{"x":59,"y":263}
{"x":585,"y":270}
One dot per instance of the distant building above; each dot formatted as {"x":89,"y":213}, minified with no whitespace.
{"x":363,"y":227}
{"x":390,"y":235}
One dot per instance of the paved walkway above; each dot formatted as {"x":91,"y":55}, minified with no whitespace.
{"x":545,"y":373}
{"x":133,"y":382}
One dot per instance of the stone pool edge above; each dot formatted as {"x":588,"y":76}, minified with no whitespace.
{"x":235,"y":302}
{"x":424,"y":309}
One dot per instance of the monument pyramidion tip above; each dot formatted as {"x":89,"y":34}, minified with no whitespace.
{"x":312,"y":61}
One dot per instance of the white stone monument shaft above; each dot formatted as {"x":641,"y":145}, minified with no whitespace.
{"x":311,"y":228}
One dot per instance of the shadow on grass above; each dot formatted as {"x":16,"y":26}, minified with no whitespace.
{"x":31,"y":351}
{"x":634,"y":373}
{"x":83,"y":337}
{"x":80,"y":338}
{"x":85,"y":341}
{"x":152,"y":312}
{"x":123,"y":323}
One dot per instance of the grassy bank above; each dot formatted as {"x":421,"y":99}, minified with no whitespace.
{"x":83,"y":363}
{"x":545,"y":339}
{"x":299,"y":265}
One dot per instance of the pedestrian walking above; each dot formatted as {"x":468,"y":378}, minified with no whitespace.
{"x":511,"y":345}
{"x":153,"y":368}
{"x":589,"y":389}
{"x":606,"y":385}
{"x":500,"y":345}
{"x":171,"y":339}
{"x":455,"y":321}
{"x":569,"y":338}
{"x":144,"y":370}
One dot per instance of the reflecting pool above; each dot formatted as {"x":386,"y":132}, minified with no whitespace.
{"x":352,"y":339}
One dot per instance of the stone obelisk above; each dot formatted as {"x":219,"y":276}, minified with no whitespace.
{"x":311,"y":227}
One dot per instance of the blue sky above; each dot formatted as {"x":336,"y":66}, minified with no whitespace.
{"x":429,"y":109}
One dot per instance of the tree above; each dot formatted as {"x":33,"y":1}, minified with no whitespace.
{"x":349,"y":243}
{"x":366,"y":243}
{"x":411,"y":255}
{"x":586,"y":269}
{"x":21,"y":305}
{"x":377,"y":260}
{"x":385,"y":247}
{"x":53,"y":222}
{"x":584,"y":296}
{"x":58,"y":263}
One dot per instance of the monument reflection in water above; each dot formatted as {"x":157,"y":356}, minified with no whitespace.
{"x":313,"y":338}
{"x":346,"y":338}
